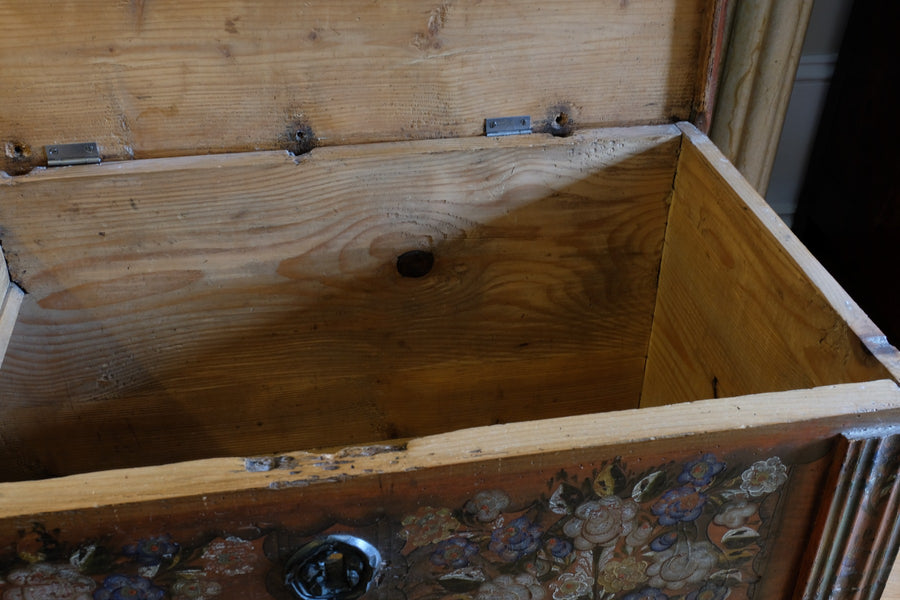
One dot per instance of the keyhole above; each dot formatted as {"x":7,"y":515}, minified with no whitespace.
{"x":338,"y":567}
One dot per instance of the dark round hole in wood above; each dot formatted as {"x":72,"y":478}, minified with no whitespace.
{"x":561,"y":124}
{"x":415,"y":263}
{"x":18,"y":150}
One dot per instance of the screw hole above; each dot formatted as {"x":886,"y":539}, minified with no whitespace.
{"x":18,"y":150}
{"x":415,"y":263}
{"x":561,"y":124}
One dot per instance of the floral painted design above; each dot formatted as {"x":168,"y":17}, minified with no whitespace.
{"x":680,"y":530}
{"x":701,"y":472}
{"x":487,"y":506}
{"x":571,"y":586}
{"x":764,"y":477}
{"x":625,"y":574}
{"x":648,"y":593}
{"x":152,"y":551}
{"x":229,"y":557}
{"x":518,"y":539}
{"x":683,"y":564}
{"x":454,"y":552}
{"x":710,"y":591}
{"x":125,"y":587}
{"x":43,"y":580}
{"x":600,"y":522}
{"x":195,"y":586}
{"x":683,"y":504}
{"x":512,"y":587}
{"x":677,"y":531}
{"x":428,"y":525}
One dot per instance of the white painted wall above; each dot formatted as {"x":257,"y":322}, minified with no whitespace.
{"x":820,"y":49}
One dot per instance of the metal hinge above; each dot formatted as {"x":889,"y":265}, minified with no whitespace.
{"x":507,"y":126}
{"x":63,"y":155}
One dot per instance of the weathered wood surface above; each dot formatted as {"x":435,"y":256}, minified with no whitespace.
{"x":223,"y":305}
{"x":742,"y":307}
{"x":757,"y":77}
{"x":264,"y":508}
{"x":166,"y":78}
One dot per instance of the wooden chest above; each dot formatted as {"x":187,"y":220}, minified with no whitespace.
{"x":403,"y":358}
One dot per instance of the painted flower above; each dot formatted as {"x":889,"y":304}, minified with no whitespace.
{"x":230,"y":556}
{"x":625,"y":574}
{"x":710,"y":591}
{"x":764,"y":477}
{"x":601,"y":522}
{"x":193,"y":585}
{"x":487,"y":505}
{"x":639,"y":535}
{"x":454,"y":553}
{"x":571,"y":586}
{"x":701,"y":472}
{"x":515,"y":540}
{"x":663,"y":541}
{"x":683,"y":564}
{"x":428,"y":525}
{"x":648,"y":593}
{"x":152,"y":551}
{"x":558,"y":547}
{"x":509,"y":587}
{"x":682,"y":504}
{"x":735,"y":513}
{"x":125,"y":587}
{"x":42,"y":580}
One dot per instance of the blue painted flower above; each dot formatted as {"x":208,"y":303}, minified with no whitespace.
{"x":648,"y":593}
{"x":516,"y":540}
{"x":682,"y":504}
{"x":710,"y":591}
{"x":559,"y":547}
{"x":152,"y":551}
{"x":701,"y":472}
{"x":663,"y":541}
{"x":454,"y":553}
{"x":125,"y":587}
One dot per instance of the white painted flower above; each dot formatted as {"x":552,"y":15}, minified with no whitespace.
{"x":683,"y":564}
{"x":487,"y":505}
{"x":764,"y":477}
{"x":735,"y":513}
{"x":509,"y":587}
{"x":571,"y":586}
{"x":601,"y":522}
{"x":44,"y":581}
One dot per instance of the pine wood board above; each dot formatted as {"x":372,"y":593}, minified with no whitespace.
{"x":266,"y":283}
{"x":152,"y":79}
{"x":819,"y":411}
{"x":742,"y":307}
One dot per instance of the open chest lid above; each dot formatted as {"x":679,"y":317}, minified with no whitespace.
{"x":153,"y":79}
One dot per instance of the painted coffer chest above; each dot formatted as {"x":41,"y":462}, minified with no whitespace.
{"x":310,"y":330}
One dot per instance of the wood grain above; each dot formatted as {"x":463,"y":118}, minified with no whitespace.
{"x":235,"y":304}
{"x":162,"y":78}
{"x":742,"y":306}
{"x":755,"y":87}
{"x":366,"y":490}
{"x":10,"y":301}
